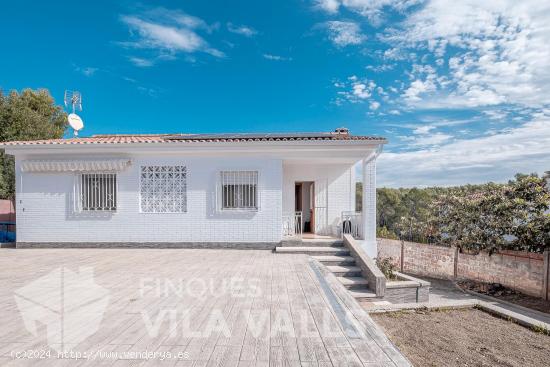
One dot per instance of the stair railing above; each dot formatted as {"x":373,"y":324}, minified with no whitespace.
{"x":292,"y":225}
{"x":351,"y":223}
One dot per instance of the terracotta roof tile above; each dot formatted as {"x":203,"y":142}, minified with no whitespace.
{"x":190,"y":138}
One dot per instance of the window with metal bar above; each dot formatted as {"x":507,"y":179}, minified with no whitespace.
{"x":98,"y":192}
{"x":163,"y":189}
{"x":239,"y":190}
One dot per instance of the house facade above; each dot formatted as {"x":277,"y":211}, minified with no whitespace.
{"x":241,"y":190}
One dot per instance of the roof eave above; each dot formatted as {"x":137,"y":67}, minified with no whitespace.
{"x":173,"y":143}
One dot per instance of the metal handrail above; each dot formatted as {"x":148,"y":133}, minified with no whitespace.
{"x":351,"y":224}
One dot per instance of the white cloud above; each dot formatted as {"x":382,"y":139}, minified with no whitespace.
{"x":495,"y":157}
{"x":343,"y":33}
{"x":330,"y":6}
{"x":394,"y":54}
{"x":168,"y":32}
{"x":492,"y":57}
{"x":86,"y":71}
{"x":424,"y":137}
{"x":501,"y":53}
{"x":276,"y":57}
{"x":372,"y":9}
{"x":431,"y":140}
{"x":179,"y":18}
{"x":242,"y":30}
{"x":141,"y":62}
{"x":417,"y":88}
{"x":425,"y":129}
{"x":380,"y":68}
{"x":496,"y":114}
{"x":360,"y":91}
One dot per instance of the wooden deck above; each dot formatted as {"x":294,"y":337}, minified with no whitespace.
{"x":212,"y":307}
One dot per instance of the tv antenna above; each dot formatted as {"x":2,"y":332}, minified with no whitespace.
{"x":74,"y":99}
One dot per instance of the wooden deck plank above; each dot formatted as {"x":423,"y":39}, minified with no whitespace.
{"x":286,"y":321}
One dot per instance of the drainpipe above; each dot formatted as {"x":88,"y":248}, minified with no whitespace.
{"x":369,"y":203}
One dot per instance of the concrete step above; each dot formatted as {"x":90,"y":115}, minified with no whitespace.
{"x":353,"y":282}
{"x":322,"y":242}
{"x":363,"y":294}
{"x":345,"y":270}
{"x":312,"y":243}
{"x":312,"y":250}
{"x":335,"y":260}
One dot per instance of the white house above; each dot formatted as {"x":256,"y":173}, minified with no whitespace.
{"x":242,"y":190}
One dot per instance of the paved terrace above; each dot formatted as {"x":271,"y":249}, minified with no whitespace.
{"x":211,"y":307}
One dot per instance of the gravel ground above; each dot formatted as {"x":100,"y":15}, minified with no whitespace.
{"x":465,"y":337}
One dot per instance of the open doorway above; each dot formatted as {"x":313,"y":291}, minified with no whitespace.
{"x":305,"y":203}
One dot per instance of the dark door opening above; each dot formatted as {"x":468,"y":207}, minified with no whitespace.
{"x":303,"y":199}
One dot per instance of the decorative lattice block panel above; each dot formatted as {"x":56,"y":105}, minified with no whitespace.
{"x":163,"y":189}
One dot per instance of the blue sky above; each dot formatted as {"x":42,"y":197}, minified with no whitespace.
{"x":461,"y":89}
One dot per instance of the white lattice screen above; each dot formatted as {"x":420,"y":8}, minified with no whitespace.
{"x":163,"y":189}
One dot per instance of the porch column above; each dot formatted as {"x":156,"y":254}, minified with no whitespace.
{"x":369,"y":206}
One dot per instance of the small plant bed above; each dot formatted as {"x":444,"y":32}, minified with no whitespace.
{"x":402,"y":288}
{"x":463,"y":337}
{"x":499,"y":291}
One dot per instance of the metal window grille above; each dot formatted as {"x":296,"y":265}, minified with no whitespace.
{"x":239,"y":190}
{"x":163,"y":189}
{"x":97,"y":192}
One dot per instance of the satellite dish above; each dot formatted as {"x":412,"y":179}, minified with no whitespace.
{"x":76,"y":122}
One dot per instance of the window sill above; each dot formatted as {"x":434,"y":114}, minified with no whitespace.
{"x":238,"y":210}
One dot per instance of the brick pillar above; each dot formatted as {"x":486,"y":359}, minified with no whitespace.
{"x":402,"y":258}
{"x":546,"y":276}
{"x":455,"y":273}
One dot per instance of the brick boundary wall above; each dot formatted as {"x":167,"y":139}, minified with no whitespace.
{"x":7,"y":211}
{"x":526,"y":272}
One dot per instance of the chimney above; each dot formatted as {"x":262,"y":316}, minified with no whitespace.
{"x":341,"y":131}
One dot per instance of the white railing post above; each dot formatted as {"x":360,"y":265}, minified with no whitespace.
{"x":298,"y":224}
{"x":351,"y":224}
{"x":292,"y":225}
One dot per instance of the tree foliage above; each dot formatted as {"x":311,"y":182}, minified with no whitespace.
{"x":404,"y":213}
{"x":475,"y":218}
{"x":29,"y":115}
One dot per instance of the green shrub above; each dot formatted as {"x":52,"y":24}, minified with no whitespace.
{"x":384,"y":232}
{"x":387,"y":267}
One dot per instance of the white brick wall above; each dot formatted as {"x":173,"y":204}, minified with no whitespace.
{"x":45,"y":210}
{"x":45,"y":204}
